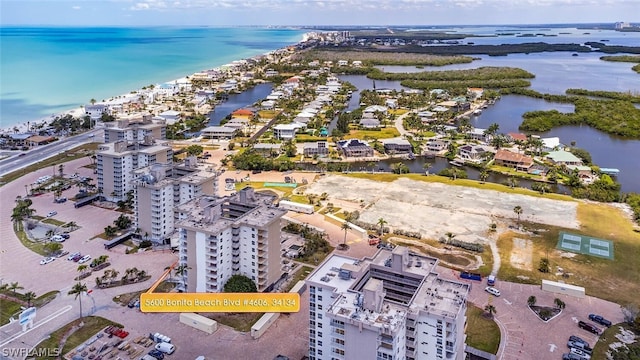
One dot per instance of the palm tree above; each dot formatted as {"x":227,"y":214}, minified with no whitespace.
{"x":77,"y":290}
{"x":345,"y":227}
{"x":484,"y":174}
{"x":426,"y":166}
{"x":518,"y":211}
{"x":559,"y":303}
{"x":15,"y":286}
{"x":182,"y":271}
{"x":72,"y":225}
{"x":28,"y":296}
{"x":531,"y":300}
{"x":382,"y":222}
{"x":82,"y":268}
{"x":490,"y":309}
{"x":449,"y":236}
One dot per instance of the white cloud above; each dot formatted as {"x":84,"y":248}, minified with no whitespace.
{"x":76,"y":7}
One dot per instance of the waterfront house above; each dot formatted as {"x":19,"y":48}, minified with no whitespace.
{"x":563,"y":158}
{"x":584,"y":172}
{"x":470,"y":152}
{"x":242,"y":113}
{"x":475,"y":93}
{"x":355,"y":148}
{"x":286,"y":131}
{"x":436,"y":145}
{"x":478,"y":134}
{"x":343,"y":62}
{"x":513,"y":160}
{"x":513,"y":137}
{"x":391,"y":103}
{"x":374,"y":109}
{"x":238,"y":123}
{"x":267,"y":104}
{"x":268,"y":150}
{"x":95,"y":111}
{"x":219,"y":132}
{"x":319,"y":148}
{"x":397,"y":146}
{"x":356,"y":63}
{"x":551,"y":144}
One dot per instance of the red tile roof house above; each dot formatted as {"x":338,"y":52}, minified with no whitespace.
{"x":513,"y":160}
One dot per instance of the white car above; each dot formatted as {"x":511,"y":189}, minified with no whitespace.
{"x":580,"y":353}
{"x":52,"y":213}
{"x":46,"y":260}
{"x":84,"y":259}
{"x":71,"y":256}
{"x":493,"y":291}
{"x":58,"y":238}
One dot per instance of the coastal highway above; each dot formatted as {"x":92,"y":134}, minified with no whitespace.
{"x":18,"y":160}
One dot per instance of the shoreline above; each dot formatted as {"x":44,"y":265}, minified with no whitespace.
{"x":23,"y":126}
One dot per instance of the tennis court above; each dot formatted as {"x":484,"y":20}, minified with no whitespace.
{"x":581,"y":244}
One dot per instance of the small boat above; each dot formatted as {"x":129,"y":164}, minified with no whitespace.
{"x":477,"y":112}
{"x":410,"y":156}
{"x":456,"y":163}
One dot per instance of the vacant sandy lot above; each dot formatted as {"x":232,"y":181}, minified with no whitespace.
{"x":434,"y":208}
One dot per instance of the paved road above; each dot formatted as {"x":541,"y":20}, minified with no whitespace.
{"x":15,"y":162}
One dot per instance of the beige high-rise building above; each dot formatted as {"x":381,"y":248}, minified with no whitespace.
{"x":159,"y":188}
{"x":221,"y":237}
{"x":117,"y":161}
{"x":389,"y":307}
{"x":135,"y":129}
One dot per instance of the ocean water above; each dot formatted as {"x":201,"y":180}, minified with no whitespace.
{"x":46,"y":70}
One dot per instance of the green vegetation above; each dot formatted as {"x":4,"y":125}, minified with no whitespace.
{"x":494,"y":50}
{"x":383,"y":133}
{"x":610,"y":116}
{"x":482,"y":73}
{"x":622,"y":58}
{"x":617,"y":281}
{"x":239,"y":321}
{"x":252,"y":160}
{"x":608,"y":337}
{"x":458,"y":84}
{"x":482,"y":332}
{"x":316,"y":246}
{"x":72,"y":154}
{"x":370,"y":58}
{"x":300,"y":274}
{"x":8,"y":309}
{"x":240,"y":284}
{"x":92,"y":325}
{"x":634,"y":201}
{"x":538,"y":95}
{"x":614,"y":95}
{"x":36,"y":247}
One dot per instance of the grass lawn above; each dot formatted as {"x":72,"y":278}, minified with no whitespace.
{"x":617,"y":281}
{"x":510,"y":171}
{"x":482,"y":333}
{"x":384,"y":133}
{"x":72,"y":154}
{"x":8,"y":309}
{"x":92,"y":325}
{"x":283,"y":191}
{"x":309,"y":138}
{"x":238,"y":321}
{"x":607,"y":338}
{"x":300,"y":274}
{"x":53,"y":222}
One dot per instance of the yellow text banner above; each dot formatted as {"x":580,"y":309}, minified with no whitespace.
{"x":220,"y":302}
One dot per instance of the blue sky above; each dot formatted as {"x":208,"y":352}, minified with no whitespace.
{"x":314,"y":12}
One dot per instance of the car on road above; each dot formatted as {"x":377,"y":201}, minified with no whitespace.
{"x":73,"y":256}
{"x":46,"y":260}
{"x":589,"y":327}
{"x":84,"y":259}
{"x":159,"y":355}
{"x":52,"y":213}
{"x":60,"y":200}
{"x":599,"y":320}
{"x":493,"y":291}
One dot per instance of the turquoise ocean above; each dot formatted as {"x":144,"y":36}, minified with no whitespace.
{"x":47,"y":70}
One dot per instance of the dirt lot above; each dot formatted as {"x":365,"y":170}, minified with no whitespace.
{"x":434,"y":208}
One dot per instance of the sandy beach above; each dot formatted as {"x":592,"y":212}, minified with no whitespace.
{"x":24,"y":126}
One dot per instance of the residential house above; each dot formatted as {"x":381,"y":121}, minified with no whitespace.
{"x":369,"y":123}
{"x":343,"y":62}
{"x":219,"y":132}
{"x":170,"y":116}
{"x":471,"y":152}
{"x":475,"y":93}
{"x":551,"y":144}
{"x":513,"y":160}
{"x":478,"y":134}
{"x":437,"y":145}
{"x":268,"y":150}
{"x":356,"y":63}
{"x":36,"y":140}
{"x":95,"y":111}
{"x":391,"y":103}
{"x":286,"y":131}
{"x":563,"y":158}
{"x":242,"y":113}
{"x":355,"y":148}
{"x":397,"y":146}
{"x":319,"y":148}
{"x":513,"y":137}
{"x":374,"y":109}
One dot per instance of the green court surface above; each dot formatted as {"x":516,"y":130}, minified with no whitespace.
{"x":586,"y":245}
{"x":280,"y":184}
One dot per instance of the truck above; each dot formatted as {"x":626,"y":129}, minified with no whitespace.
{"x":470,"y":276}
{"x":491,"y":280}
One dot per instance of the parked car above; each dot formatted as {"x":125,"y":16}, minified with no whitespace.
{"x":84,"y":259}
{"x":166,"y":347}
{"x":579,"y":345}
{"x":590,"y":328}
{"x":570,"y":356}
{"x":599,"y":319}
{"x":73,"y":256}
{"x":491,"y":280}
{"x":58,"y":238}
{"x":62,"y":253}
{"x":46,"y":260}
{"x":52,"y":213}
{"x":157,"y":354}
{"x":60,"y":200}
{"x":493,"y":291}
{"x":578,"y":339}
{"x":580,"y":353}
{"x":66,"y":236}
